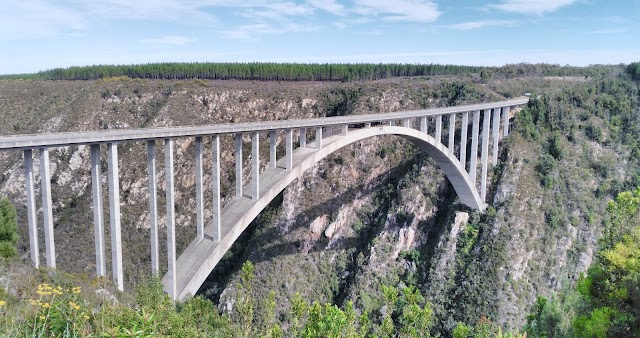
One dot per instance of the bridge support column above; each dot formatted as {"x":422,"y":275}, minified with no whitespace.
{"x":45,"y":181}
{"x":114,"y":215}
{"x":486,"y":116}
{"x":303,"y":137}
{"x":423,"y":125}
{"x":255,"y":165}
{"x":452,"y":132}
{"x":318,"y":137}
{"x":463,"y":139}
{"x":505,"y":121}
{"x":406,"y":123}
{"x":31,"y":208}
{"x":153,"y":206}
{"x":215,"y":152}
{"x":199,"y":191}
{"x":238,"y":156}
{"x":345,"y":130}
{"x":98,"y":218}
{"x":392,"y":123}
{"x":496,"y":135}
{"x":272,"y":149}
{"x":475,"y":130}
{"x":367,"y":125}
{"x":171,"y":216}
{"x":289,"y":152}
{"x":439,"y":128}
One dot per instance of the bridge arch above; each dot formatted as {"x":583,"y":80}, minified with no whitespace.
{"x":202,"y":255}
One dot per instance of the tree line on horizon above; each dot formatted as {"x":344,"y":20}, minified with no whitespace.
{"x":302,"y":72}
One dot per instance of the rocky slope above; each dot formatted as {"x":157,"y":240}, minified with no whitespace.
{"x":374,"y":213}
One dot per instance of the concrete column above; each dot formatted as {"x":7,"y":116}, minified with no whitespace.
{"x":272,"y":149}
{"x":486,"y":116}
{"x":171,"y":217}
{"x":98,"y":217}
{"x":345,"y":130}
{"x":406,"y":123}
{"x":199,"y":191}
{"x":318,"y":137}
{"x":463,"y":139}
{"x":217,"y":233}
{"x":439,"y":128}
{"x":289,"y":152}
{"x":255,"y":165}
{"x":153,"y":206}
{"x":473,"y":165}
{"x":496,"y":135}
{"x":114,"y":214}
{"x":505,"y":121}
{"x":367,"y":125}
{"x":392,"y":123}
{"x":423,"y":125}
{"x":238,"y":155}
{"x":303,"y":137}
{"x":45,"y":181}
{"x":452,"y":132}
{"x":31,"y":208}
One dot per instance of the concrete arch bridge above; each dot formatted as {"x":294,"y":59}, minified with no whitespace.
{"x":186,"y":273}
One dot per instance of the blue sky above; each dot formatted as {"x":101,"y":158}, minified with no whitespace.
{"x":44,"y":34}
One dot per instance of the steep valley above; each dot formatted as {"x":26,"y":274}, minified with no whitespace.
{"x":375,"y":213}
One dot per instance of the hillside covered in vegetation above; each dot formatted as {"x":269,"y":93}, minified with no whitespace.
{"x":372,"y":241}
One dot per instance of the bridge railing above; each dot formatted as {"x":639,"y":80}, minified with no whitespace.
{"x":429,"y":121}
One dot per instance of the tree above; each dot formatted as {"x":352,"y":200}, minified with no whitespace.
{"x":8,"y":229}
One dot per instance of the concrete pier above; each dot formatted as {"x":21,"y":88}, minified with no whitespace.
{"x":439,"y":128}
{"x":463,"y":139}
{"x":255,"y":165}
{"x":199,"y":190}
{"x":318,"y":137}
{"x":452,"y":133}
{"x":345,"y":130}
{"x":473,"y":160}
{"x":47,"y":211}
{"x":496,"y":136}
{"x":289,"y":150}
{"x":505,"y":121}
{"x":31,"y":208}
{"x":98,"y":217}
{"x":114,"y":215}
{"x":215,"y":177}
{"x":423,"y":125}
{"x":171,"y":216}
{"x":406,"y":123}
{"x":303,"y":137}
{"x":153,"y":206}
{"x":273,"y":156}
{"x":486,"y":119}
{"x":238,"y":156}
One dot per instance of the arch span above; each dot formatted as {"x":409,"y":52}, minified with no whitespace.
{"x":202,"y":255}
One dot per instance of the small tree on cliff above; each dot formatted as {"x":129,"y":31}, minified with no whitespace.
{"x":8,"y":229}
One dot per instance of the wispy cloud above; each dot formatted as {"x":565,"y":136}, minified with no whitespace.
{"x":399,"y":10}
{"x":330,"y":6}
{"x":610,"y":31}
{"x":536,"y":7}
{"x":249,"y":32}
{"x":463,"y":26}
{"x":172,"y":40}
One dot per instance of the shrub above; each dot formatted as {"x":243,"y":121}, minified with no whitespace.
{"x":8,"y":229}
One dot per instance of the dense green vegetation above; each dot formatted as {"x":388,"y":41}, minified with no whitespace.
{"x":301,"y":72}
{"x":8,"y":228}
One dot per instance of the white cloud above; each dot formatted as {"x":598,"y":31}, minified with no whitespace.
{"x":173,"y":40}
{"x":481,"y":24}
{"x":330,"y":6}
{"x":610,"y":31}
{"x":399,"y":10}
{"x":536,"y":7}
{"x":253,"y":30}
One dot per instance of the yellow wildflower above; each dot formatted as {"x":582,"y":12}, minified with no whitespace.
{"x":45,"y":305}
{"x":76,"y":290}
{"x":2,"y":303}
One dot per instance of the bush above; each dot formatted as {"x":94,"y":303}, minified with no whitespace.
{"x":8,"y":229}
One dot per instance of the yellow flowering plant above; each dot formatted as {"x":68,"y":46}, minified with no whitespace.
{"x":59,"y":311}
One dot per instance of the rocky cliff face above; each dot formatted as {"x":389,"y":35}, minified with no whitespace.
{"x":378,"y":212}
